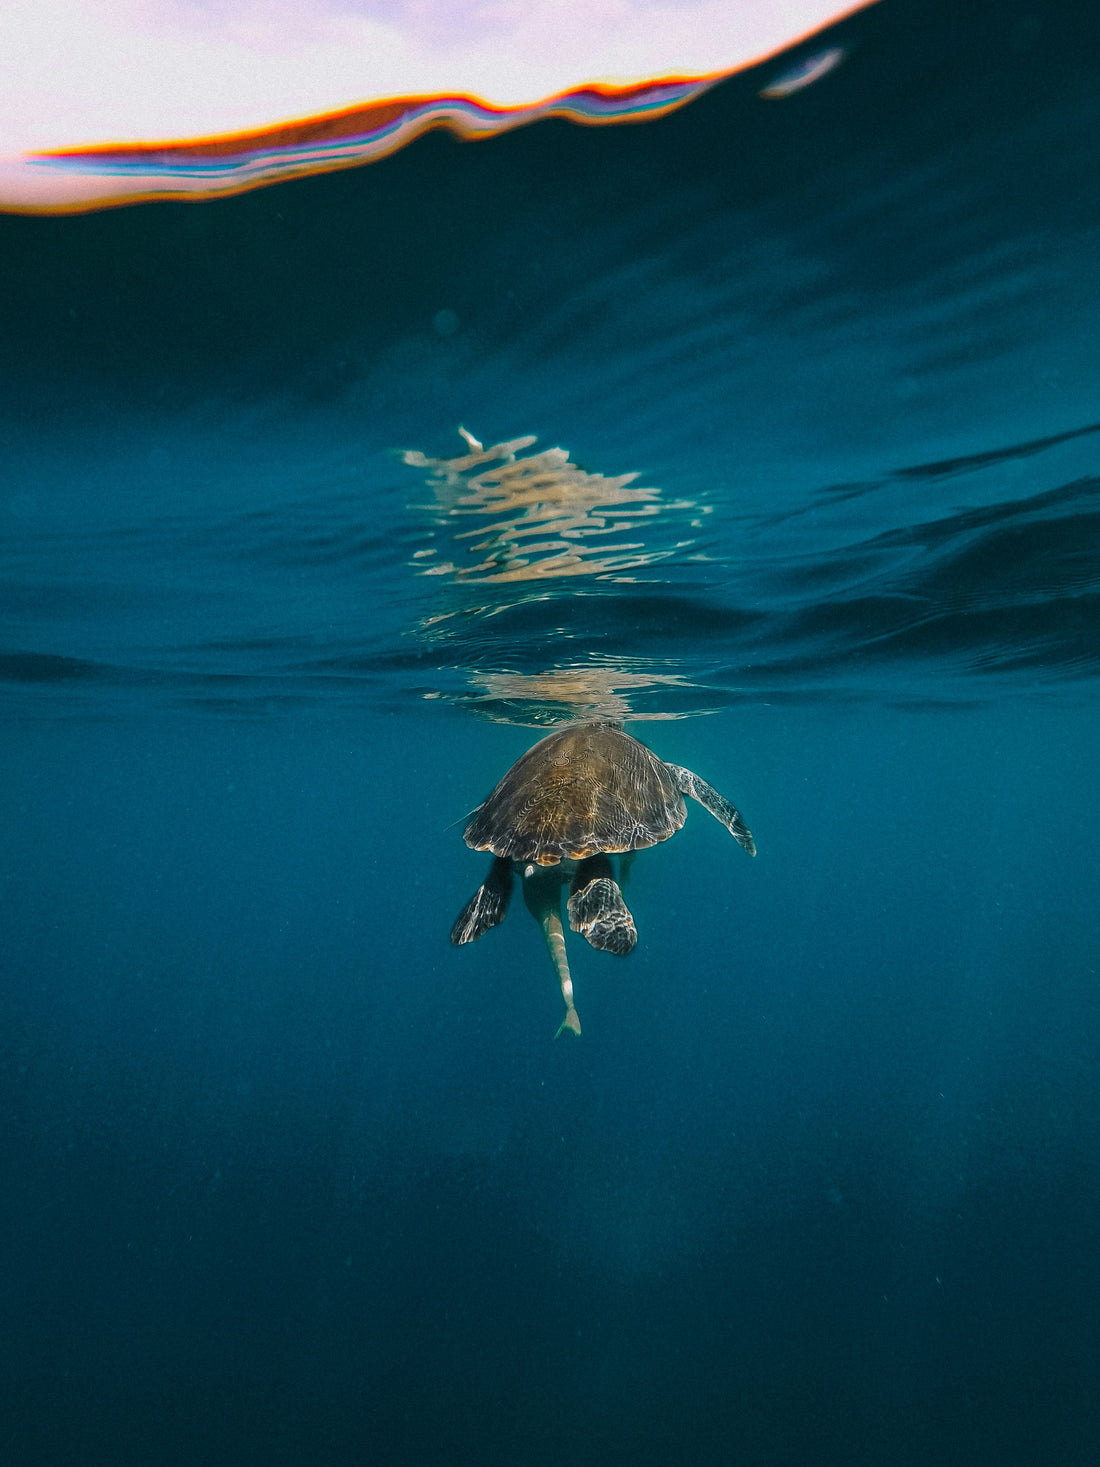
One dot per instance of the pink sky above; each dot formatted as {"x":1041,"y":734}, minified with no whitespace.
{"x":78,"y":72}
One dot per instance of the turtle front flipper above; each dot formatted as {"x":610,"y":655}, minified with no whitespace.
{"x":718,"y":805}
{"x":597,"y":910}
{"x":542,"y":893}
{"x":487,"y":906}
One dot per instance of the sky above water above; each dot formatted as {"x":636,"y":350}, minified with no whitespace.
{"x":81,"y":72}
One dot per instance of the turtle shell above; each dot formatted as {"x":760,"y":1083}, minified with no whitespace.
{"x":586,"y":789}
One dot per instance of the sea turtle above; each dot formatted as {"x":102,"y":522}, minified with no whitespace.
{"x":579,"y":796}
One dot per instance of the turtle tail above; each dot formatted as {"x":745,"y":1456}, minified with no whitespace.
{"x":542,"y":892}
{"x":555,"y":942}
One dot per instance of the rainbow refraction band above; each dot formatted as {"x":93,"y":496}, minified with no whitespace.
{"x":210,"y":166}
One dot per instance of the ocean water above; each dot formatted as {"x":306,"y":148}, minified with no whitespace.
{"x":289,"y":1179}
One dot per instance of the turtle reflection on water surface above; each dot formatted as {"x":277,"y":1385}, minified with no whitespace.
{"x":580,"y":796}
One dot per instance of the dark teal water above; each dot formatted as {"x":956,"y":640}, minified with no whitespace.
{"x":289,"y":1179}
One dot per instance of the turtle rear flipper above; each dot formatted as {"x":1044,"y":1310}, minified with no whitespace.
{"x":597,"y":910}
{"x":718,"y":805}
{"x":487,"y":906}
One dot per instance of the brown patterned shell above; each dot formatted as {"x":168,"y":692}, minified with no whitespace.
{"x":585,"y":789}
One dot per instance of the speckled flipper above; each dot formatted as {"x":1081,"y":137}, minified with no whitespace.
{"x":487,"y":906}
{"x":718,"y":805}
{"x":597,"y":910}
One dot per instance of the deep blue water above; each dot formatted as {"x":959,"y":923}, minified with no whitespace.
{"x":289,"y":1179}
